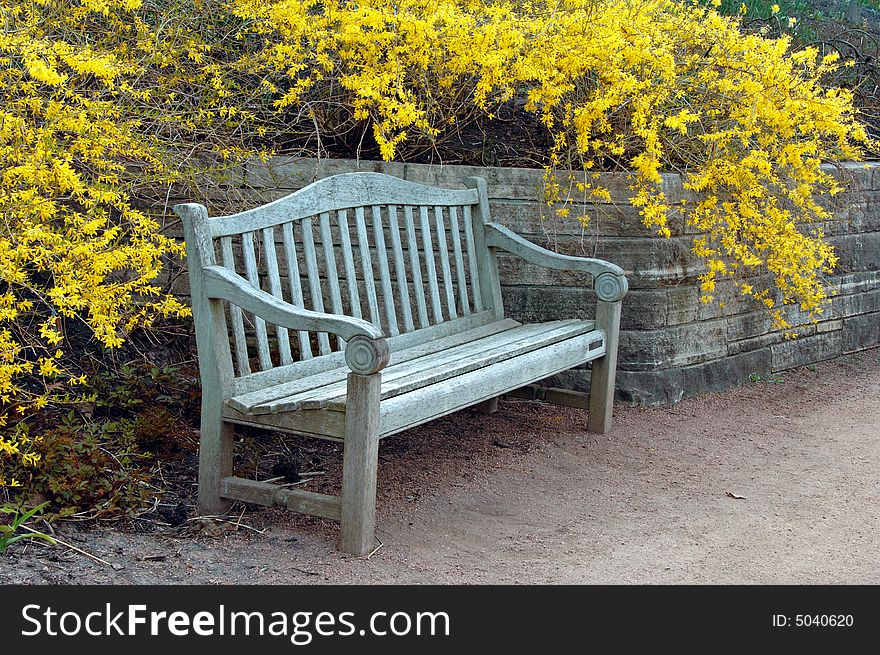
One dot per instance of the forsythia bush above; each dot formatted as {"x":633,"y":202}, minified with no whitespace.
{"x":644,"y":85}
{"x":72,"y":248}
{"x":88,"y":112}
{"x":101,"y":96}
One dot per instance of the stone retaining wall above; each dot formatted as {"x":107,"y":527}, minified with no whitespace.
{"x":672,"y":345}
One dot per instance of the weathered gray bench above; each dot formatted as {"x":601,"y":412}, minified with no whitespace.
{"x":365,"y":305}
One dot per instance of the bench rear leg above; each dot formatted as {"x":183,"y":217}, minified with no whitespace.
{"x":215,"y":462}
{"x":359,"y":463}
{"x":487,"y":406}
{"x":604,"y":369}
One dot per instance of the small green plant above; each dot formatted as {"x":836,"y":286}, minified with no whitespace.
{"x":757,"y":377}
{"x":97,"y":459}
{"x":8,"y":531}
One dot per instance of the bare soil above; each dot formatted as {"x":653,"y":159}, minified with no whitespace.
{"x":773,"y":482}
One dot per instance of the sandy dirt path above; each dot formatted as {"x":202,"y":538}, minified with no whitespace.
{"x":773,"y":482}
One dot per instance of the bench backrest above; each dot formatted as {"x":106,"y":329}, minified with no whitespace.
{"x":401,"y":255}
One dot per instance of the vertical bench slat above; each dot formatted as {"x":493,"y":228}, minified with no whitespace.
{"x":432,"y":280}
{"x":241,"y":353}
{"x":367,"y":266}
{"x":428,"y":249}
{"x":384,"y":272}
{"x":332,"y":275}
{"x":443,"y":247}
{"x":487,"y":265}
{"x":314,"y":280}
{"x":455,"y":233}
{"x":348,"y":260}
{"x":296,"y":294}
{"x":400,"y":269}
{"x":472,"y":258}
{"x":275,"y":289}
{"x":250,"y":265}
{"x":415,"y":266}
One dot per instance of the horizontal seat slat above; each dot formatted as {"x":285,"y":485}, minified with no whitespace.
{"x":402,"y":348}
{"x":429,"y":402}
{"x":421,"y":366}
{"x":436,"y":367}
{"x":298,"y":370}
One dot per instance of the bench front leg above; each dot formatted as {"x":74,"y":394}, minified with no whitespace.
{"x":359,"y":463}
{"x":215,"y":459}
{"x":610,"y":289}
{"x":604,"y":369}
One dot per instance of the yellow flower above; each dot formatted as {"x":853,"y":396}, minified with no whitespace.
{"x":48,"y":367}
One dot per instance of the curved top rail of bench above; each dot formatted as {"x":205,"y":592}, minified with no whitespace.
{"x":337,"y":192}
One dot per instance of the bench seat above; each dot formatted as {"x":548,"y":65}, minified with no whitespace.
{"x":431,"y":379}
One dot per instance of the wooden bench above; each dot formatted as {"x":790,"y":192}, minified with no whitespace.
{"x":360,"y":306}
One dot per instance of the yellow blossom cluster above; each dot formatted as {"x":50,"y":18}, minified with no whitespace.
{"x":643,"y":85}
{"x":75,"y":254}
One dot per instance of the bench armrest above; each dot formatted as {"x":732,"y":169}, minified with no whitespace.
{"x":366,"y":350}
{"x":608,"y":279}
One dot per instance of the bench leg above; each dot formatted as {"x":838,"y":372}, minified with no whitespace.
{"x":359,"y":463}
{"x":215,"y":462}
{"x":487,"y":406}
{"x":604,"y":369}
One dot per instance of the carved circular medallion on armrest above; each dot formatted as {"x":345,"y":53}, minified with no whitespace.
{"x":610,"y":287}
{"x":366,"y":356}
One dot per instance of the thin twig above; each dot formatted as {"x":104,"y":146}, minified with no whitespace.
{"x":376,"y":549}
{"x":293,"y":484}
{"x":242,"y":525}
{"x":235,"y":523}
{"x":71,"y":547}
